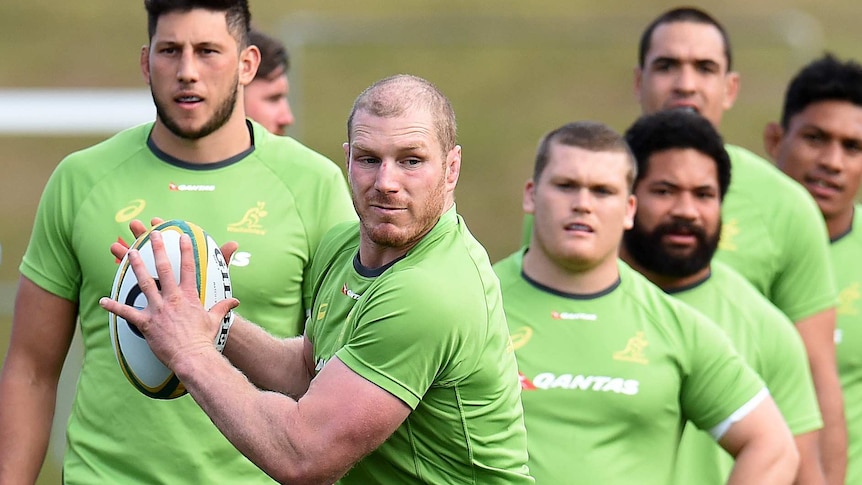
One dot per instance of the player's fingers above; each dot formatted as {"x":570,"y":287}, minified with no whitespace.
{"x":163,"y":264}
{"x":155,"y":221}
{"x":227,"y":250}
{"x":188,"y":267}
{"x":119,"y":250}
{"x":146,"y":283}
{"x":137,"y":227}
{"x":129,"y":313}
{"x":221,"y":308}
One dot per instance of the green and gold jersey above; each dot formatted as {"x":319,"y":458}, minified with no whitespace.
{"x":609,"y":379}
{"x":773,"y":235}
{"x":276,"y":200}
{"x":766,"y":339}
{"x":846,"y":252}
{"x":428,"y":328}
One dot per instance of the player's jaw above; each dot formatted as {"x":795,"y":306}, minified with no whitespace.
{"x":190,"y":115}
{"x":398,"y":221}
{"x":676,"y":248}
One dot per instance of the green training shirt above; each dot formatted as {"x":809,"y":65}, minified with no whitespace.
{"x":276,"y":200}
{"x":846,"y":253}
{"x":609,"y":379}
{"x":428,"y":328}
{"x":767,"y":340}
{"x":774,"y":235}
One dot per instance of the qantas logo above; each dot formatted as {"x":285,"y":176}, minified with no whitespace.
{"x":347,"y":291}
{"x":580,"y":382}
{"x":191,"y":188}
{"x":574,"y":316}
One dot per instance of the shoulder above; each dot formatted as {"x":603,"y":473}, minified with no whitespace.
{"x":508,"y":269}
{"x":761,"y":176}
{"x":287,"y":156}
{"x":110,"y":152}
{"x":749,"y":303}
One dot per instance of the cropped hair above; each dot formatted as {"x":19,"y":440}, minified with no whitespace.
{"x":683,"y":14}
{"x":589,"y":135}
{"x":274,"y":60}
{"x":825,"y":79}
{"x":677,"y":129}
{"x":237,"y":14}
{"x":393,"y":96}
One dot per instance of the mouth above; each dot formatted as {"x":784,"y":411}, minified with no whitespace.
{"x":188,"y":100}
{"x":684,"y":105}
{"x":821,"y":187}
{"x":579,"y":227}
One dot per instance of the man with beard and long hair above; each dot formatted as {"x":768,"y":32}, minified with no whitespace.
{"x":611,"y":367}
{"x":683,"y":175}
{"x":202,"y":161}
{"x":405,"y":373}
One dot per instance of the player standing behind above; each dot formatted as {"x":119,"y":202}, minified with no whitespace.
{"x":202,"y":161}
{"x":771,"y":231}
{"x":683,"y":174}
{"x":611,"y":367}
{"x":819,"y":144}
{"x":266,"y":95}
{"x":406,"y":372}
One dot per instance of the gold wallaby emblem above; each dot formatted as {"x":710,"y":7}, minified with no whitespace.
{"x":634,"y":351}
{"x":250,"y":222}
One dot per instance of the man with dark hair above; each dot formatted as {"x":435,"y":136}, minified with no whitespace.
{"x":202,"y":161}
{"x":266,"y":95}
{"x":819,"y":144}
{"x":406,"y":372}
{"x":683,"y":175}
{"x":771,"y":233}
{"x":611,"y":367}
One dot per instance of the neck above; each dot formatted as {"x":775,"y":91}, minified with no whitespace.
{"x":840,"y":224}
{"x":570,"y":277}
{"x":229,"y":140}
{"x":663,"y":281}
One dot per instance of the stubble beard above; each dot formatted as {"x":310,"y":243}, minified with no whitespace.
{"x":386,"y":234}
{"x":222,"y":114}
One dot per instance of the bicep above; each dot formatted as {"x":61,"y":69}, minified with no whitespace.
{"x":350,"y":415}
{"x":42,"y":329}
{"x":762,"y":422}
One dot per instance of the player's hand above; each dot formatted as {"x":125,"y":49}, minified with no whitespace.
{"x":174,"y":322}
{"x":138,"y":228}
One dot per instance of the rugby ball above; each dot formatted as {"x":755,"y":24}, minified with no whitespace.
{"x":137,"y":362}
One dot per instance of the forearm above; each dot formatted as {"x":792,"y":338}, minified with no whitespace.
{"x":26,"y":413}
{"x":833,"y":436}
{"x":817,"y":332}
{"x":761,"y":464}
{"x":270,"y":363}
{"x":264,"y":426}
{"x":810,"y":471}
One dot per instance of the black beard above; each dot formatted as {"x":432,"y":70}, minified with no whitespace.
{"x":219,"y":118}
{"x":647,"y":250}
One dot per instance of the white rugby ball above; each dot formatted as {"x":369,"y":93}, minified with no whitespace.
{"x":140,"y":366}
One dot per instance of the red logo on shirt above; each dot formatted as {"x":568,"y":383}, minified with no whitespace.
{"x":526,"y":384}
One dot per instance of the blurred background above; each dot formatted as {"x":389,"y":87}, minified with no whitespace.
{"x":513,"y":70}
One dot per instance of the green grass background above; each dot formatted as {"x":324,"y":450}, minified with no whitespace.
{"x":513,"y":71}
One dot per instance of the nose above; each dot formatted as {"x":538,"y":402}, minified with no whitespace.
{"x":685,"y":80}
{"x":386,"y":179}
{"x":582,"y":201}
{"x":685,"y":207}
{"x":831,"y":157}
{"x":187,"y":70}
{"x":286,"y":117}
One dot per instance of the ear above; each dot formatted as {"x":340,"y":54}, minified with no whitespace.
{"x":638,"y":76}
{"x":145,"y":63}
{"x":773,"y":133}
{"x":346,"y":147}
{"x":731,"y":89}
{"x":529,"y":202}
{"x":249,"y":60}
{"x":453,"y":166}
{"x":631,"y":208}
